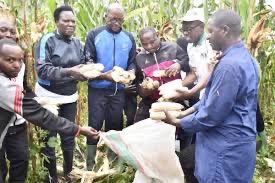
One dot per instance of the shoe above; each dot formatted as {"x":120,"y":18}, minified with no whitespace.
{"x":91,"y":153}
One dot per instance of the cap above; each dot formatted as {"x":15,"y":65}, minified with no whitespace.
{"x":194,"y":14}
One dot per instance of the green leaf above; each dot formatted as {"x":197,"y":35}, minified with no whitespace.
{"x":51,"y":5}
{"x":136,"y":12}
{"x":52,"y":142}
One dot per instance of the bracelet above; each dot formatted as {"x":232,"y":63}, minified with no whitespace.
{"x":78,"y":132}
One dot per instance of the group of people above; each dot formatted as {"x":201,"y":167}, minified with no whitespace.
{"x":217,"y":132}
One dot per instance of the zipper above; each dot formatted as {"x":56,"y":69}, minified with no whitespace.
{"x":114,"y":51}
{"x":114,"y":60}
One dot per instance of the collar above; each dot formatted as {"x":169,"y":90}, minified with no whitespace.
{"x":60,"y":36}
{"x":111,"y":31}
{"x":235,"y":45}
{"x":4,"y":75}
{"x":201,"y":40}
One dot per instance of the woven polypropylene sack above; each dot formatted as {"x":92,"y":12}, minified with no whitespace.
{"x":148,"y":146}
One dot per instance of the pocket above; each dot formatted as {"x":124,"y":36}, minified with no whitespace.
{"x":206,"y":163}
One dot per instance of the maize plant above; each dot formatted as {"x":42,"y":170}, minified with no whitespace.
{"x":35,"y":17}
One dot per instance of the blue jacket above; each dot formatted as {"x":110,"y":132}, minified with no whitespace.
{"x":226,"y":120}
{"x":110,"y":49}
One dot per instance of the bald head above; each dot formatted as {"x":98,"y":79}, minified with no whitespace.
{"x":114,"y":17}
{"x":115,"y":7}
{"x":227,"y":18}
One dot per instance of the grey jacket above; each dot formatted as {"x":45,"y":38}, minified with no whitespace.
{"x":13,"y":100}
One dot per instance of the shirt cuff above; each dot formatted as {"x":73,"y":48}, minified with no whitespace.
{"x":196,"y":105}
{"x":185,"y":122}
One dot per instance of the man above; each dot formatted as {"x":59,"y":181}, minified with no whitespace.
{"x":156,"y":55}
{"x":225,"y":117}
{"x":15,"y":143}
{"x":57,"y":58}
{"x":199,"y":51}
{"x":110,"y":46}
{"x":11,"y":56}
{"x":200,"y":54}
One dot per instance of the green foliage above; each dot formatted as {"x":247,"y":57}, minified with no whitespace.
{"x":139,"y":14}
{"x":124,"y":177}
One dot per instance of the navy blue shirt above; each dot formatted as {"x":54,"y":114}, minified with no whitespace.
{"x":226,"y":119}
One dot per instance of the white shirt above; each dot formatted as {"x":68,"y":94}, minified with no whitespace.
{"x":199,"y":57}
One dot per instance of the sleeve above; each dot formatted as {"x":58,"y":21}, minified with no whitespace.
{"x":43,"y":63}
{"x":132,"y":54}
{"x":196,"y":105}
{"x":217,"y":106}
{"x":139,"y":73}
{"x":36,"y":114}
{"x":13,"y":101}
{"x":28,"y":108}
{"x":89,"y":48}
{"x":182,"y":42}
{"x":183,"y":59}
{"x":82,"y":56}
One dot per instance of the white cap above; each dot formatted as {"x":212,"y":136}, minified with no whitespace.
{"x":194,"y":14}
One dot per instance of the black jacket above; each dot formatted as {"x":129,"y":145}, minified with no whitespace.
{"x":54,"y":53}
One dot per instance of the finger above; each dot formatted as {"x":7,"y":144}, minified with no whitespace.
{"x":173,"y":73}
{"x":170,"y":119}
{"x":180,"y":90}
{"x":168,"y":72}
{"x":93,"y":130}
{"x":132,"y":87}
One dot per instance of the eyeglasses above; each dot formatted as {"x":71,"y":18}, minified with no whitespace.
{"x":188,"y":28}
{"x":116,"y":20}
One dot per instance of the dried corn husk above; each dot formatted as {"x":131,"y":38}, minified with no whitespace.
{"x":169,"y":106}
{"x":91,"y":71}
{"x":169,"y":90}
{"x":119,"y":75}
{"x":160,"y":115}
{"x":159,"y":73}
{"x":150,"y":84}
{"x":257,"y":35}
{"x":48,"y":103}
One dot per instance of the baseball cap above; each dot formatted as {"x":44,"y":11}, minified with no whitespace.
{"x":194,"y":14}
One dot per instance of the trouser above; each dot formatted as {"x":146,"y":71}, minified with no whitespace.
{"x":104,"y":104}
{"x":15,"y":148}
{"x":130,"y":108}
{"x":187,"y":147}
{"x":259,"y":119}
{"x":67,"y":111}
{"x":143,"y":110}
{"x":187,"y":161}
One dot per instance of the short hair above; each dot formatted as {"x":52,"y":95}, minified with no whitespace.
{"x":229,"y":18}
{"x":58,"y":11}
{"x":6,"y":41}
{"x":114,"y":6}
{"x":146,"y":30}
